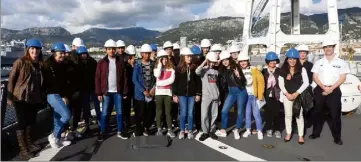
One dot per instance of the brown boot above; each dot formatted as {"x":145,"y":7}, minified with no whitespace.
{"x":32,"y":147}
{"x":24,"y":152}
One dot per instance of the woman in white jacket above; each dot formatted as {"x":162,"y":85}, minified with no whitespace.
{"x":165,"y":74}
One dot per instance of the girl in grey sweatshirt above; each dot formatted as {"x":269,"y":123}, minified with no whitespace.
{"x":210,"y":95}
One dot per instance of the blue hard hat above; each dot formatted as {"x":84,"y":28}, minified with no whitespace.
{"x":196,"y":50}
{"x":33,"y":43}
{"x":154,"y":47}
{"x":271,"y":56}
{"x":58,"y":47}
{"x":81,"y":50}
{"x":292,"y":53}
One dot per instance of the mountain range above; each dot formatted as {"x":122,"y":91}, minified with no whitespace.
{"x":219,"y":29}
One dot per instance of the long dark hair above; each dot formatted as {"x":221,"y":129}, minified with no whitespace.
{"x":233,"y":65}
{"x":182,"y":65}
{"x":28,"y":62}
{"x":285,"y":69}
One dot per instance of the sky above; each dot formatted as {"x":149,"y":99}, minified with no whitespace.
{"x":79,"y":15}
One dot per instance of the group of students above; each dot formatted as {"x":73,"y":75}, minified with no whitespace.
{"x":177,"y":81}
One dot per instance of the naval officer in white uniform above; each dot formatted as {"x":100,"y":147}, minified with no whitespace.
{"x":328,"y":73}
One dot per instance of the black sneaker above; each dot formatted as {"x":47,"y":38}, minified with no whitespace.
{"x":101,"y":137}
{"x":203,"y":137}
{"x":122,"y":135}
{"x":213,"y":136}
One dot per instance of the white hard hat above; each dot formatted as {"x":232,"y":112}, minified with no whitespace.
{"x":211,"y":56}
{"x":224,"y":55}
{"x":78,"y":42}
{"x":146,"y":48}
{"x":328,"y":43}
{"x":67,"y":48}
{"x":120,"y":43}
{"x":162,"y":53}
{"x":205,"y":43}
{"x":110,"y":43}
{"x":234,"y":48}
{"x":186,"y":51}
{"x":130,"y":50}
{"x":302,"y":47}
{"x":176,"y":46}
{"x":242,"y":57}
{"x":167,"y":44}
{"x":216,"y":47}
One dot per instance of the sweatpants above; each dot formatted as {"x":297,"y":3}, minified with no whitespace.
{"x":288,"y":106}
{"x":166,"y":101}
{"x":209,"y":113}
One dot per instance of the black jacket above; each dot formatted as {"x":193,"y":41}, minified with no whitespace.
{"x":182,"y":87}
{"x":73,"y":76}
{"x":129,"y":70}
{"x":228,"y":75}
{"x":56,"y":78}
{"x":86,"y":69}
{"x":308,"y":66}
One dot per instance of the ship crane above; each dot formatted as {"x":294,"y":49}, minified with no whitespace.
{"x":275,"y":39}
{"x":256,"y":16}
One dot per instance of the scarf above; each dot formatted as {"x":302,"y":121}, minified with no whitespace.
{"x":271,"y":82}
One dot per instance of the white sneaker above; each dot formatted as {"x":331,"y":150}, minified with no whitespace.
{"x":236,"y":134}
{"x":53,"y":141}
{"x":64,"y":142}
{"x":220,"y":133}
{"x":190,"y":135}
{"x":247,"y":133}
{"x":181,"y":135}
{"x":260,"y":135}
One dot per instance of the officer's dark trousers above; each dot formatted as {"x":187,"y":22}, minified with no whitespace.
{"x":333,"y":103}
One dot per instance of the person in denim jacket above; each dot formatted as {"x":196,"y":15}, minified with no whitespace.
{"x":144,"y":91}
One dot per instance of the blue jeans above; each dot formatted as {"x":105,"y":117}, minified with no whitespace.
{"x":115,"y":98}
{"x":252,"y":107}
{"x":186,"y":105}
{"x":86,"y":103}
{"x":61,"y":113}
{"x":234,"y":94}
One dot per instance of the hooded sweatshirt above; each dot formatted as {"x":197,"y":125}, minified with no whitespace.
{"x":209,"y":79}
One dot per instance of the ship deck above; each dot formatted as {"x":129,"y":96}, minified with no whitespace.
{"x":223,"y":149}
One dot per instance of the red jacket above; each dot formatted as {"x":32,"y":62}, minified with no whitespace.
{"x":101,"y":76}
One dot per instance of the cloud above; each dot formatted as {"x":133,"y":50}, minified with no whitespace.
{"x":236,"y":8}
{"x":79,"y":15}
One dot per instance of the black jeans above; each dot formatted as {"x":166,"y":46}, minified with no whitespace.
{"x":127,"y":105}
{"x":144,"y":115}
{"x":76,"y":107}
{"x":26,"y":113}
{"x":272,"y":114}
